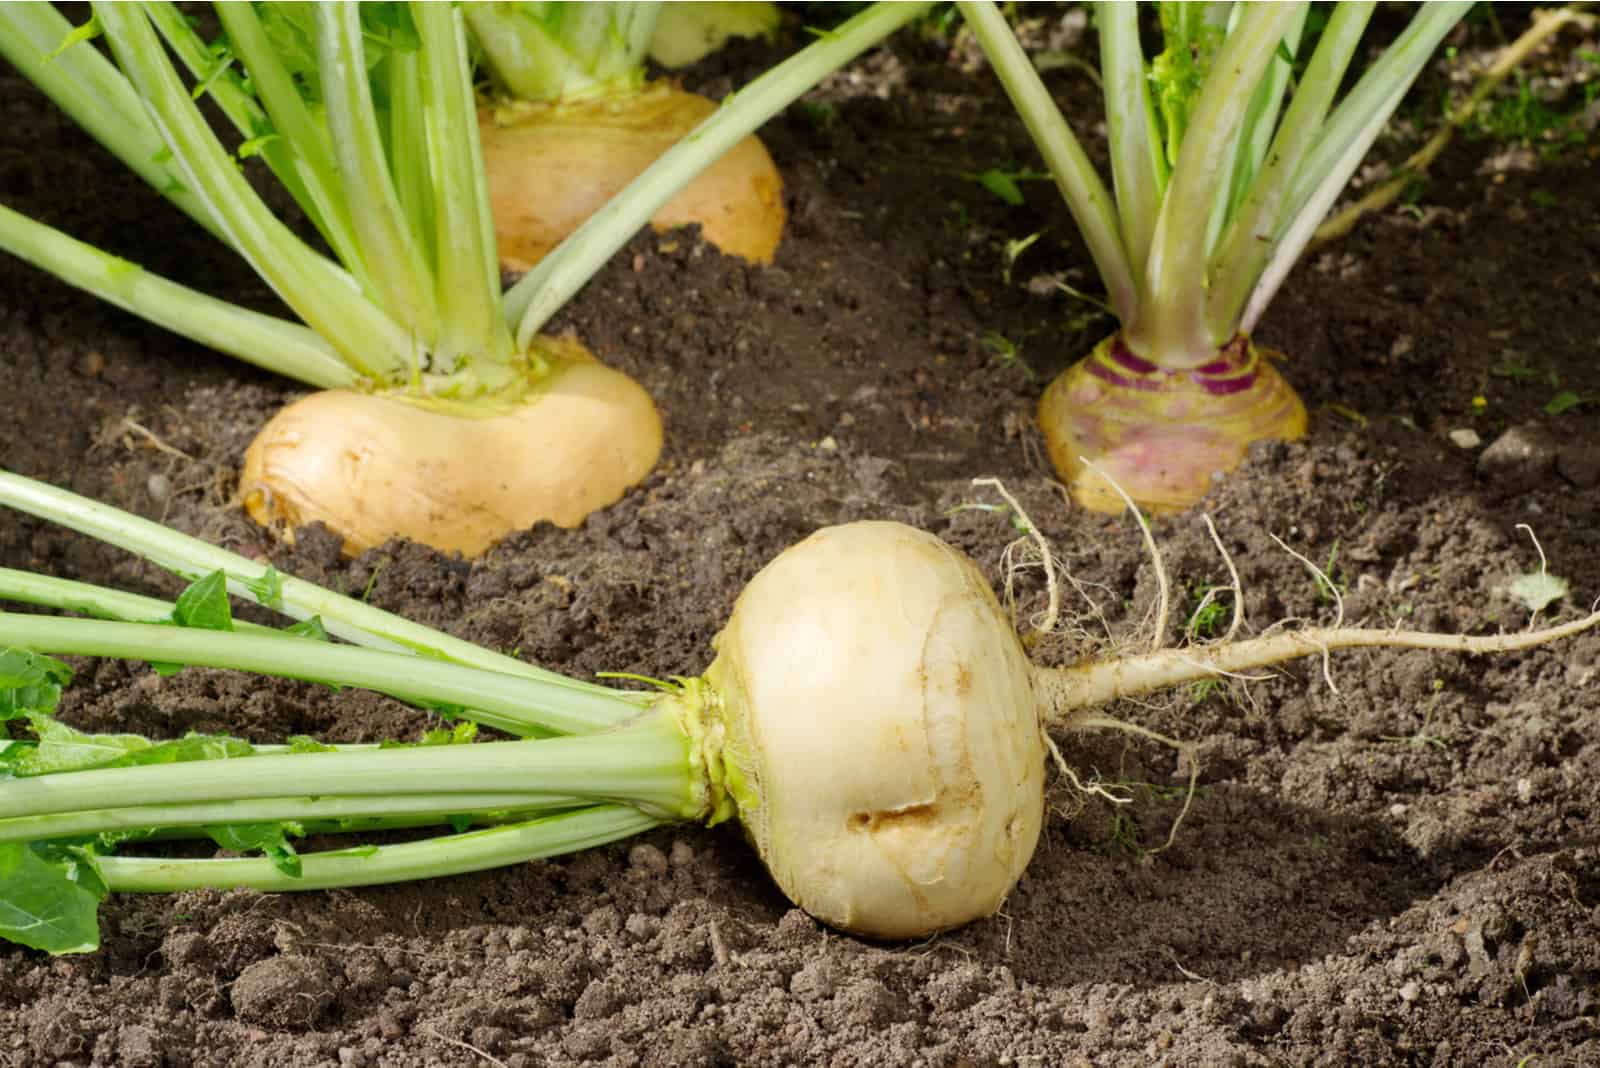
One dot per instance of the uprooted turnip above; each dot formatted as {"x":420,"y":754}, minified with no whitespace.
{"x":870,"y":717}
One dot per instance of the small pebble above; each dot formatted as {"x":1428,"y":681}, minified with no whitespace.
{"x":1523,"y":456}
{"x":647,"y":859}
{"x":1466,"y":438}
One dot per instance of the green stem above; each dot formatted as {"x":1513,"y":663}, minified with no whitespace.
{"x":344,"y":617}
{"x":474,"y":330}
{"x":569,"y":832}
{"x":1242,"y":251}
{"x":319,"y":291}
{"x":275,"y":344}
{"x":646,"y":765}
{"x":404,"y":286}
{"x":1255,"y":133}
{"x":301,"y":153}
{"x":558,"y":51}
{"x":1170,"y":329}
{"x":85,"y":85}
{"x":542,"y":291}
{"x":422,"y":810}
{"x":509,"y":702}
{"x":1087,"y":198}
{"x":408,"y":147}
{"x":97,"y":602}
{"x":1344,"y":141}
{"x":1138,"y":165}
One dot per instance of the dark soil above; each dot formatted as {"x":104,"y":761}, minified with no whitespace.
{"x":1399,"y":873}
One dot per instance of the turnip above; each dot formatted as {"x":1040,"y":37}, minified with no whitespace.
{"x":573,"y":121}
{"x":1216,"y":196}
{"x":870,"y":717}
{"x":446,"y":416}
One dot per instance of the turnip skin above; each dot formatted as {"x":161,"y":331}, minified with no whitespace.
{"x":456,"y":477}
{"x":882,"y":738}
{"x":551,"y":166}
{"x":1165,"y":439}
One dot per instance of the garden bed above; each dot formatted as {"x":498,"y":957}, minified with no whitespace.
{"x":1403,"y":872}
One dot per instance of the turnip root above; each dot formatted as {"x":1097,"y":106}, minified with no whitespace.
{"x":374,"y":466}
{"x":870,"y":717}
{"x":552,"y":165}
{"x":1162,"y":434}
{"x":883,"y":733}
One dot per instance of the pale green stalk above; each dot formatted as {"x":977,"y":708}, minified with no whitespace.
{"x":343,"y":617}
{"x":301,"y":153}
{"x":85,"y":85}
{"x":513,"y":703}
{"x":1244,"y":247}
{"x":1255,"y":134}
{"x":646,"y":765}
{"x":468,"y":269}
{"x":321,"y":293}
{"x":404,"y":283}
{"x":421,"y":810}
{"x":1087,"y":198}
{"x":496,"y":847}
{"x":222,"y":84}
{"x":1345,"y":139}
{"x":97,"y":602}
{"x":559,"y":51}
{"x":408,"y":140}
{"x":542,"y":291}
{"x":1170,"y":325}
{"x":264,"y":340}
{"x":1138,"y":165}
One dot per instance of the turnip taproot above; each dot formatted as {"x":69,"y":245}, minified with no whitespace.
{"x":870,"y":717}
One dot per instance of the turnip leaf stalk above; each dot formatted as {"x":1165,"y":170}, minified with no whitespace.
{"x":821,"y":662}
{"x":1220,"y":182}
{"x":366,"y":114}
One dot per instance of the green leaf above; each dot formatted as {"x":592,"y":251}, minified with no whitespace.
{"x":254,"y":145}
{"x":204,"y":605}
{"x":463,"y":733}
{"x":189,"y":748}
{"x":1002,"y":185}
{"x":87,"y":32}
{"x":304,"y":743}
{"x":30,"y":683}
{"x":271,"y":839}
{"x":1537,"y":590}
{"x":61,"y":748}
{"x":49,"y":897}
{"x":268,"y":589}
{"x":1561,"y":402}
{"x":309,"y":628}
